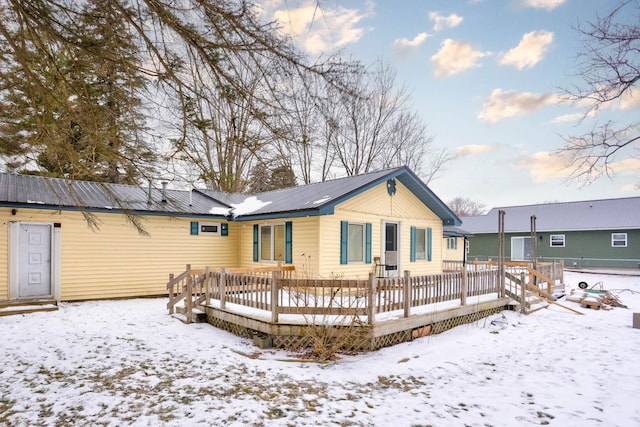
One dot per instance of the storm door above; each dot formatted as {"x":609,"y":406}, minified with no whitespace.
{"x":391,"y":244}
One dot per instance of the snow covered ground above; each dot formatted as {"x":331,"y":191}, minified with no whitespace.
{"x":117,"y":363}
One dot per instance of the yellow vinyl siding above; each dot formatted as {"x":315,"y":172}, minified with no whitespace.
{"x":304,"y":249}
{"x":453,"y":254}
{"x":376,"y":206}
{"x":116,"y":261}
{"x":5,"y":215}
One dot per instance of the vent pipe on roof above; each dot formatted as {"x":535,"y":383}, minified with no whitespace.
{"x":149,"y":199}
{"x":164,"y":191}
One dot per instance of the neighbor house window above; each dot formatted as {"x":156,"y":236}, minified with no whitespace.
{"x":452,"y":243}
{"x":355,"y":242}
{"x":420,"y":249}
{"x":619,"y":240}
{"x":556,"y":240}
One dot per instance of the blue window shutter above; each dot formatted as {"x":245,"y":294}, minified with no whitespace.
{"x":194,"y":228}
{"x":255,"y":242}
{"x":429,"y":244}
{"x":344,"y":236}
{"x":412,"y":253}
{"x":224,"y":229}
{"x":288,"y":240}
{"x":367,"y":241}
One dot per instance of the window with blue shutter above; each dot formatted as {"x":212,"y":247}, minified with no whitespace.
{"x":355,"y":242}
{"x":344,"y":236}
{"x":412,"y":243}
{"x":288,"y":242}
{"x":429,"y":243}
{"x":255,"y":243}
{"x":367,"y":243}
{"x":194,"y":228}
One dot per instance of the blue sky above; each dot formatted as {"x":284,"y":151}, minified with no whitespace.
{"x":486,"y":75}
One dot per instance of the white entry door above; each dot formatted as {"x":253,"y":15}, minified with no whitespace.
{"x":391,"y":244}
{"x":34,"y":260}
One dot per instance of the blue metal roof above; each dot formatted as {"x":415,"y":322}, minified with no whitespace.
{"x":54,"y":193}
{"x":608,"y":214}
{"x":313,"y":199}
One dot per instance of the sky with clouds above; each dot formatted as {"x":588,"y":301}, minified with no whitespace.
{"x":487,"y":76}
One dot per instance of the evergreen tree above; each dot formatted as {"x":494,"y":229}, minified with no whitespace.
{"x":66,"y":113}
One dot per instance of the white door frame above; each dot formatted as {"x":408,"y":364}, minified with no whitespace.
{"x":391,"y":273}
{"x":14,"y":258}
{"x":522,"y":256}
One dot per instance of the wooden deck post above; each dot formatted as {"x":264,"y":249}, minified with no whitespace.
{"x":189,"y":299}
{"x":463,"y":287}
{"x":222,"y":288}
{"x":275,"y":278}
{"x":207,"y":285}
{"x":523,"y":290}
{"x":407,"y":293}
{"x":171,"y":295}
{"x":371,"y":298}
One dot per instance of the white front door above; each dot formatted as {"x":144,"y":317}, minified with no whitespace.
{"x":34,"y":260}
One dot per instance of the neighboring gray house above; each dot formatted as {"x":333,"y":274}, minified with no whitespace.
{"x":593,"y":233}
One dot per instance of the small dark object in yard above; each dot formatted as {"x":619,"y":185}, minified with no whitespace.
{"x":263,"y":341}
{"x":582,"y":285}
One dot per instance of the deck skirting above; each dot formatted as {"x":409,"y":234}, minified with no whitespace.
{"x":371,"y":337}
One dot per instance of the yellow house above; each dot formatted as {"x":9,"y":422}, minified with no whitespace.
{"x":455,"y":245}
{"x":72,"y":240}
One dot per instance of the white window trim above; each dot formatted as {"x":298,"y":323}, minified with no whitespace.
{"x":272,"y":242}
{"x":564,"y":240}
{"x":209,"y":224}
{"x":363,"y":243}
{"x":452,"y":243}
{"x":613,"y":239}
{"x":424,"y":256}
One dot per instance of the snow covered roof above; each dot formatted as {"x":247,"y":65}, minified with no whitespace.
{"x":608,"y":214}
{"x":320,"y":198}
{"x":28,"y":190}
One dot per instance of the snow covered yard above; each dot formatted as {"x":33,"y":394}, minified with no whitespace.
{"x":130,"y":363}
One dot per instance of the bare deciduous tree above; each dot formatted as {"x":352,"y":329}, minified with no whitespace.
{"x":463,"y":206}
{"x":609,"y":70}
{"x":372,"y":126}
{"x":179,"y":47}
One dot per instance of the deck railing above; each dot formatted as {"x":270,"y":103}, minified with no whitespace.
{"x":280,"y":294}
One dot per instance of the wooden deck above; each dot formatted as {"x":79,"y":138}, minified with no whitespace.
{"x":288,"y":310}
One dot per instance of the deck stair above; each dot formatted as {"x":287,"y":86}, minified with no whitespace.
{"x":9,"y":308}
{"x":536,"y":295}
{"x":196,"y":315}
{"x":532,"y":300}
